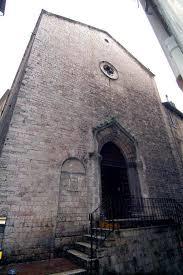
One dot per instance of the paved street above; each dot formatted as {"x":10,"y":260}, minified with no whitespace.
{"x":41,"y":267}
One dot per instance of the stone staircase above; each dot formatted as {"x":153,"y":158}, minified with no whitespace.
{"x":80,"y":271}
{"x":139,"y":213}
{"x":81,"y":252}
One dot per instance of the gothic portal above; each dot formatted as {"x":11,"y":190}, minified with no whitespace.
{"x":114,"y":178}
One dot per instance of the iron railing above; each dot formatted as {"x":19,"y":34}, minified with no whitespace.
{"x":131,"y":212}
{"x":99,"y":227}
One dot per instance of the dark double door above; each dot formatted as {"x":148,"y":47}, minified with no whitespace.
{"x":114,"y":180}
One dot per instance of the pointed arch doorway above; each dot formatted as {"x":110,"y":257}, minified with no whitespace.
{"x":114,"y":181}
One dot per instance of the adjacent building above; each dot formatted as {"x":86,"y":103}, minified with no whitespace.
{"x":166,"y":18}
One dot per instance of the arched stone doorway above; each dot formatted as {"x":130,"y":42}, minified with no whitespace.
{"x":114,"y":180}
{"x":111,"y":135}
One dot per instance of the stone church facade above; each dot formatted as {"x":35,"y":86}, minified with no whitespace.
{"x":78,"y":94}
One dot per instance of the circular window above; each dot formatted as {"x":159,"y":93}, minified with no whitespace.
{"x":109,"y":70}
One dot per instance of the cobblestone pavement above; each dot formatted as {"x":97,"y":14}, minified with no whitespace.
{"x":40,"y":267}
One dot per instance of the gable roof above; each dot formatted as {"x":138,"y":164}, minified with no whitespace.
{"x":99,"y":30}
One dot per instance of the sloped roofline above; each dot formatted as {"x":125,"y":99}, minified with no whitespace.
{"x":172,"y":108}
{"x":99,"y":30}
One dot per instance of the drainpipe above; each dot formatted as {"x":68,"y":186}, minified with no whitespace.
{"x":176,"y":56}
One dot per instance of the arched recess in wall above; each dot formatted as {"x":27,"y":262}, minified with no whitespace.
{"x":113,"y":132}
{"x":72,"y":212}
{"x":73,"y":165}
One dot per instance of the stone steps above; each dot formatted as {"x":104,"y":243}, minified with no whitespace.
{"x":72,"y":272}
{"x":81,"y":252}
{"x":82,"y":259}
{"x":101,"y":229}
{"x":84,"y":247}
{"x":87,"y":237}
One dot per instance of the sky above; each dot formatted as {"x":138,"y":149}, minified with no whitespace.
{"x":123,"y":19}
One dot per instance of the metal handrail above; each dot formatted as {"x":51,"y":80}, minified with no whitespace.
{"x":135,"y":212}
{"x":96,"y":217}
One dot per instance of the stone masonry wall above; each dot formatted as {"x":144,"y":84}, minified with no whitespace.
{"x":174,"y":124}
{"x":62,"y":97}
{"x":142,"y":251}
{"x":73,"y":203}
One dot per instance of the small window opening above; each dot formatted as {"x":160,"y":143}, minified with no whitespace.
{"x":108,"y":69}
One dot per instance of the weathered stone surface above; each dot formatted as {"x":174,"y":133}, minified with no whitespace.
{"x":142,"y":251}
{"x":174,"y":122}
{"x":61,"y":95}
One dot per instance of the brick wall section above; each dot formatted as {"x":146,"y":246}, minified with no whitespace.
{"x":62,"y":96}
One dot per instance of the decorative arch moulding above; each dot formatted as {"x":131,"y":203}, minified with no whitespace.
{"x":114,"y":132}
